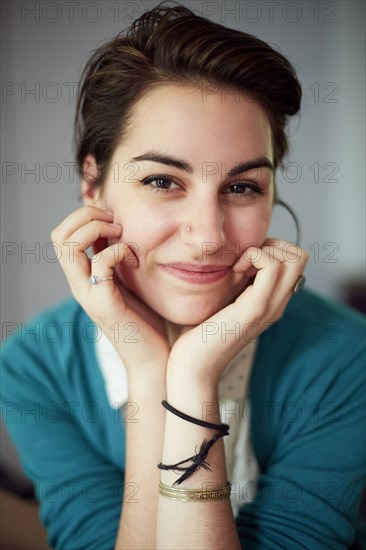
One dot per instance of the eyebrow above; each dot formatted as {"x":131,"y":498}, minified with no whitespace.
{"x":239,"y":168}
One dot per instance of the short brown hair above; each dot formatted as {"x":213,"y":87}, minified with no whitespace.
{"x":172,"y":44}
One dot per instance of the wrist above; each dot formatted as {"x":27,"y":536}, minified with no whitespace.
{"x":190,"y":395}
{"x":186,"y":376}
{"x":149,"y":380}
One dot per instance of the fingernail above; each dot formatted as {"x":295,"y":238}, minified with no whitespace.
{"x":116,"y":225}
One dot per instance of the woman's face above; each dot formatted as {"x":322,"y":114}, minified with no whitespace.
{"x":186,"y":217}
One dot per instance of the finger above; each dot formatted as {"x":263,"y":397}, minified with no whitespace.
{"x":293,"y":261}
{"x":90,"y":233}
{"x":74,"y":248}
{"x":289,"y":252}
{"x":74,"y":260}
{"x":102,"y":264}
{"x":108,"y":291}
{"x":266,"y":278}
{"x":77,"y":219}
{"x":291,"y":271}
{"x":288,"y":256}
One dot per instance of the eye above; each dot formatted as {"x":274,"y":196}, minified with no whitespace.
{"x":161,"y":183}
{"x":243,"y":189}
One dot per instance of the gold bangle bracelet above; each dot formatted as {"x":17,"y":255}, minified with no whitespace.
{"x":195,"y":495}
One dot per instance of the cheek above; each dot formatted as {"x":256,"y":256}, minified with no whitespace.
{"x":145,"y":228}
{"x":249,"y":227}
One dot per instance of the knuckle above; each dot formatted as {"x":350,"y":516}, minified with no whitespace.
{"x":97,"y":258}
{"x":274,"y":266}
{"x":91,"y":209}
{"x":54,"y":235}
{"x":305,"y":255}
{"x":280,"y":312}
{"x":252,"y":253}
{"x":117,"y":250}
{"x":278,"y":316}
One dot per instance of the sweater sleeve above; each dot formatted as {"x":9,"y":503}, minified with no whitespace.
{"x":79,"y":490}
{"x":312,"y":476}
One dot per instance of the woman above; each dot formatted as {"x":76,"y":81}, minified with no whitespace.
{"x":243,"y":409}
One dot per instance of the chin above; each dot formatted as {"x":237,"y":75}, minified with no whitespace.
{"x":187,"y":318}
{"x":190,"y":312}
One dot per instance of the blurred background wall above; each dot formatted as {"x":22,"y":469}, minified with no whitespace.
{"x":44,"y":46}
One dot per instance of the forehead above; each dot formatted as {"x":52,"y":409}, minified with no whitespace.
{"x":200,"y":122}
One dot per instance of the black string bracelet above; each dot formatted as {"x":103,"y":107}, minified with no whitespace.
{"x":199,"y":458}
{"x":220,"y":427}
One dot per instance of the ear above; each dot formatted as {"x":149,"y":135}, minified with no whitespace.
{"x":90,"y":194}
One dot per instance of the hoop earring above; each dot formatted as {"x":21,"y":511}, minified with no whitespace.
{"x":280,"y":202}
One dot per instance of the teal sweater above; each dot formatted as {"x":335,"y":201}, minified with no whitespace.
{"x":308,"y":421}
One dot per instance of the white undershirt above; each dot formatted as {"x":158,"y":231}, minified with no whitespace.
{"x":241,"y":464}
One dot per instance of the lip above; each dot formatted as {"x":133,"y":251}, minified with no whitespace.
{"x":196,"y":273}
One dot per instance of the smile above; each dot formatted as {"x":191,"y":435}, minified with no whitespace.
{"x":196,"y":274}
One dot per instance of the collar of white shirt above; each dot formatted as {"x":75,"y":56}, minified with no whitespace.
{"x":233,"y":383}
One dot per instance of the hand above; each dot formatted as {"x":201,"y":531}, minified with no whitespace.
{"x":204,"y":351}
{"x":140,"y":331}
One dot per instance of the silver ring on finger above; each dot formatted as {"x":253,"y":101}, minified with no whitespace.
{"x":300,"y":283}
{"x":94,"y":279}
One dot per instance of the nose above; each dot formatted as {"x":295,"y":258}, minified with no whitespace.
{"x":203,"y":223}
